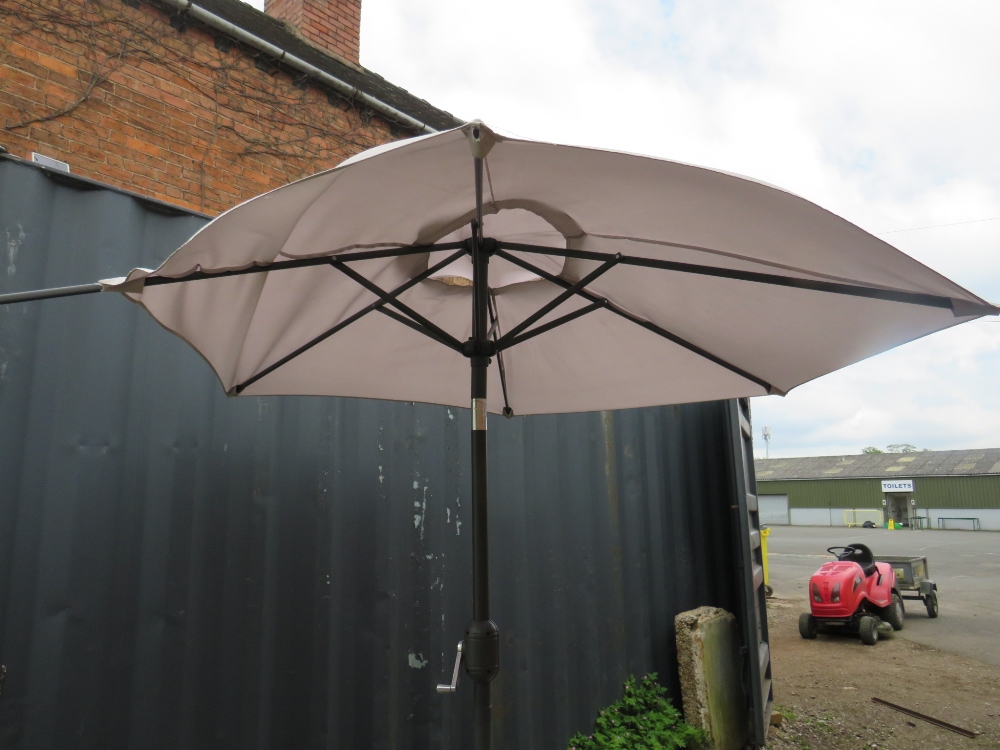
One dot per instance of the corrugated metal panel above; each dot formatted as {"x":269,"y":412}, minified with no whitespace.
{"x":839,"y":493}
{"x":929,"y":492}
{"x":957,"y":492}
{"x":179,"y":569}
{"x":882,"y":465}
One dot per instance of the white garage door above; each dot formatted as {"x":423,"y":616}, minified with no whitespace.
{"x":773,"y":509}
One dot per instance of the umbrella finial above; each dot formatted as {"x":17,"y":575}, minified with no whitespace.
{"x":481,"y":138}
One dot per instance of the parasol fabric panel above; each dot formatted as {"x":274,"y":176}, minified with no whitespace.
{"x":710,"y":337}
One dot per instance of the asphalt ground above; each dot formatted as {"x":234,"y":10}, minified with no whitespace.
{"x":964,"y":564}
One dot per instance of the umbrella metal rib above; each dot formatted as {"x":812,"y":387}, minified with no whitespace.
{"x":496,"y":333}
{"x":281,"y":265}
{"x":604,"y":302}
{"x":284,"y":265}
{"x":377,"y":305}
{"x":552,"y":324}
{"x":61,"y":291}
{"x":569,"y":292}
{"x":375,"y":289}
{"x":429,"y":333}
{"x":833,"y":287}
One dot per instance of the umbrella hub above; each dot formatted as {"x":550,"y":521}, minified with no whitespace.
{"x":520,"y":224}
{"x":481,"y":138}
{"x":479,"y":348}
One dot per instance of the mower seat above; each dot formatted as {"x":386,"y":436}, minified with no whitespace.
{"x":863,"y":557}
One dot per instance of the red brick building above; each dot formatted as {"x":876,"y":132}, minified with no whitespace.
{"x":201,"y":104}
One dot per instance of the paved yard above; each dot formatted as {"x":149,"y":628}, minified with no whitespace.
{"x":965,"y":565}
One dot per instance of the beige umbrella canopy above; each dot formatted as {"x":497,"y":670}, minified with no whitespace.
{"x":700,"y":284}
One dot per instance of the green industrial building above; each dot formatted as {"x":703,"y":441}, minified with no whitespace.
{"x":931,"y":489}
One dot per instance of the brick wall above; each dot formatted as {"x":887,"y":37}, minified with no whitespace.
{"x":127,"y":99}
{"x":332,"y":24}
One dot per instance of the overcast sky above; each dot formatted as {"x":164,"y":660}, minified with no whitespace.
{"x":887,"y":113}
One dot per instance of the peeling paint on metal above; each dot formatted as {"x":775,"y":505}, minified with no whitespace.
{"x":416,"y":661}
{"x":13,"y":245}
{"x":423,"y":514}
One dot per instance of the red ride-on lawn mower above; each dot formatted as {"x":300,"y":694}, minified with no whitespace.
{"x":853,"y":594}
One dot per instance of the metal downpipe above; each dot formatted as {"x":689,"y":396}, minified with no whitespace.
{"x":221,"y":24}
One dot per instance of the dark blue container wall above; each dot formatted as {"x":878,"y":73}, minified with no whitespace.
{"x":183,"y":570}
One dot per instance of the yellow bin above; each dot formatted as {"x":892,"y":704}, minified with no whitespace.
{"x":765,"y":532}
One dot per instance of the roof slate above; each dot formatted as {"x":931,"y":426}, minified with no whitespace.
{"x":881,"y":465}
{"x":277,"y":33}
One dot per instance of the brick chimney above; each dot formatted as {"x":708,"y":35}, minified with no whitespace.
{"x":334,"y":25}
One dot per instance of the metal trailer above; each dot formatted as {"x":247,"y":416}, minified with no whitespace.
{"x":912,"y":580}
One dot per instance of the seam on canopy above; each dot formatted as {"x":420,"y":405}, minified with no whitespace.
{"x":267,"y":275}
{"x":356,"y":246}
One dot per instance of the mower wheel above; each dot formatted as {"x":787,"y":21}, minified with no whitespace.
{"x":931,"y":603}
{"x":894,"y":613}
{"x":868,"y":630}
{"x":807,"y":626}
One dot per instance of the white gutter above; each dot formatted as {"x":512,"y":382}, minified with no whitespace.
{"x":282,"y":56}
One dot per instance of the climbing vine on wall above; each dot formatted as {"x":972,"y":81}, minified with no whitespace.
{"x":136,"y":87}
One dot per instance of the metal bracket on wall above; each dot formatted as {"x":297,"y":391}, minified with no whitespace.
{"x":454,"y":675}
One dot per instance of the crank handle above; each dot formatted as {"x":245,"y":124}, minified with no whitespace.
{"x":454,"y":677}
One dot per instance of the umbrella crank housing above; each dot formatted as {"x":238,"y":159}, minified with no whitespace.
{"x":481,"y":649}
{"x":482,"y":660}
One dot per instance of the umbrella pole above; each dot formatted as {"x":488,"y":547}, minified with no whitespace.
{"x":481,"y":648}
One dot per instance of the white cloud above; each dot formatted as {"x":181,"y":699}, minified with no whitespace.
{"x":885,"y":113}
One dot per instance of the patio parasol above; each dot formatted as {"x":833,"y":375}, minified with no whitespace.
{"x":593,"y":279}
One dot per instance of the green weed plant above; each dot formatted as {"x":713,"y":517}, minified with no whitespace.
{"x":642,"y":720}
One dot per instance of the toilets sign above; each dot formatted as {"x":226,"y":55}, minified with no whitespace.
{"x":897,"y":485}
